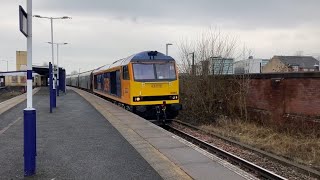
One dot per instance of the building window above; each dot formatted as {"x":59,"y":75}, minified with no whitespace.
{"x":23,"y":79}
{"x":311,"y":69}
{"x":295,"y":68}
{"x":14,"y":79}
{"x":305,"y":70}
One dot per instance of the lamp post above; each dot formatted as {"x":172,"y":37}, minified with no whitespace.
{"x":192,"y":66}
{"x":168,"y":44}
{"x":58,"y":86}
{"x":7,"y":64}
{"x":51,"y":21}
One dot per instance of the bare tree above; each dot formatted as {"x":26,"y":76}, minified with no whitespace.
{"x":211,"y":43}
{"x":211,"y":93}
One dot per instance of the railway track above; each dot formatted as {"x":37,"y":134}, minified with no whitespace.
{"x":300,"y":168}
{"x":257,"y":170}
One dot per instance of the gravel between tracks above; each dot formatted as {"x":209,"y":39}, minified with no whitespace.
{"x":5,"y":95}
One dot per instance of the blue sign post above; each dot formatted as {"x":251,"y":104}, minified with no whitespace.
{"x":64,"y":81}
{"x":50,"y":86}
{"x":29,"y":142}
{"x":29,"y":123}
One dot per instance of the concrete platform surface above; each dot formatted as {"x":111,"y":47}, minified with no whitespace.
{"x":74,"y":142}
{"x":163,"y":149}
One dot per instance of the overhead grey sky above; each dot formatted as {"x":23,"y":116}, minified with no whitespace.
{"x":102,"y":31}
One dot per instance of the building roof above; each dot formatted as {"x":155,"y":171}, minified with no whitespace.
{"x":17,"y":73}
{"x":301,"y":61}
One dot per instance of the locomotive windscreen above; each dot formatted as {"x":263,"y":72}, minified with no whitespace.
{"x":154,"y":71}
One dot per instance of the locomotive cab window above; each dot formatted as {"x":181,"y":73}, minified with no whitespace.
{"x":165,"y":71}
{"x":125,"y":72}
{"x":154,"y":71}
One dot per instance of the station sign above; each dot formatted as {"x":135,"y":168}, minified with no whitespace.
{"x":23,"y":21}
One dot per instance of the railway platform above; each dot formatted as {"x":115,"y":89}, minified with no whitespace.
{"x":87,"y":137}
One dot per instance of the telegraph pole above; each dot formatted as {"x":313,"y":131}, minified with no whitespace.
{"x":193,"y":70}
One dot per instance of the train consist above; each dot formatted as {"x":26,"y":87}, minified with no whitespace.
{"x":145,"y":83}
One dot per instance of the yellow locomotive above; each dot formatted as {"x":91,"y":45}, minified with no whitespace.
{"x":146,"y":83}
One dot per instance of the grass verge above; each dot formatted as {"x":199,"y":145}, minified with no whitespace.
{"x":298,"y":147}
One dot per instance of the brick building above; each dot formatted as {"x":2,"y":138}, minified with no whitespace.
{"x":291,"y":64}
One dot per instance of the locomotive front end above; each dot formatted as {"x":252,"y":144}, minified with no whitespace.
{"x":155,"y":86}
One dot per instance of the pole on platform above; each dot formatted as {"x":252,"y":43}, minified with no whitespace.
{"x":58,"y":86}
{"x":29,"y":112}
{"x":54,"y":78}
{"x":50,"y":86}
{"x":65,"y":81}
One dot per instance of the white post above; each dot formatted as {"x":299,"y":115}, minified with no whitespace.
{"x":168,"y":44}
{"x":166,"y":49}
{"x":53,"y":71}
{"x":29,"y":55}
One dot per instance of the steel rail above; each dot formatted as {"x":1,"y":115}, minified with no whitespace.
{"x":302,"y":168}
{"x":259,"y":171}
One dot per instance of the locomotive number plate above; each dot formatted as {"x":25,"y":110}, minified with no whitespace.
{"x":156,"y":86}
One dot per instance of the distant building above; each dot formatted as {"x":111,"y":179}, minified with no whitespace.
{"x":291,"y":64}
{"x":215,"y":65}
{"x":21,"y":65}
{"x":21,"y":60}
{"x":18,"y":79}
{"x":250,"y":65}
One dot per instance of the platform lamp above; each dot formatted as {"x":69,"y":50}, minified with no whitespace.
{"x":51,"y":21}
{"x":168,"y":44}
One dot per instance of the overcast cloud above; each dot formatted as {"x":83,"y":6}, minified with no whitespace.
{"x":103,"y":31}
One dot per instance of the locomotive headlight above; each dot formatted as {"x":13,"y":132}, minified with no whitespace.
{"x":136,"y":99}
{"x":174,"y":97}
